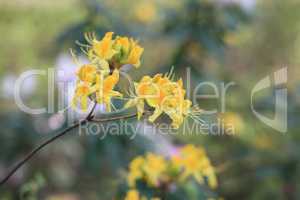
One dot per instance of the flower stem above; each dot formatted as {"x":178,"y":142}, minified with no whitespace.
{"x":89,"y":118}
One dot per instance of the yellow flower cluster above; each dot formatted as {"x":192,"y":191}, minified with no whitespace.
{"x":97,"y":79}
{"x":164,"y":95}
{"x":156,"y":170}
{"x":113,"y":53}
{"x":93,"y":82}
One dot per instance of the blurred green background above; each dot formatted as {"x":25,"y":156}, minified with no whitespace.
{"x":221,"y":41}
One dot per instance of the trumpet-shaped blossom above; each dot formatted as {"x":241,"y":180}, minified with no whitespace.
{"x":94,"y":83}
{"x":113,"y":53}
{"x":102,"y":49}
{"x":104,"y":89}
{"x":87,"y":73}
{"x":82,"y":92}
{"x":129,"y":52}
{"x":164,"y":95}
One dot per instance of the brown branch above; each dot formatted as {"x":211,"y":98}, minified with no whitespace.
{"x":89,"y":118}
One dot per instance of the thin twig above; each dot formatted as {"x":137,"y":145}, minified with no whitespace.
{"x":108,"y":119}
{"x":38,"y":148}
{"x":41,"y":146}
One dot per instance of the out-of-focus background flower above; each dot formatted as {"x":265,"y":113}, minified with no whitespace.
{"x":221,"y":41}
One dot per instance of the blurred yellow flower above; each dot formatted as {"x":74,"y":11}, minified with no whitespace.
{"x":145,"y":11}
{"x":150,"y":168}
{"x":132,"y":195}
{"x":194,"y":162}
{"x":135,"y":170}
{"x":264,"y":142}
{"x":158,"y":171}
{"x":154,"y":167}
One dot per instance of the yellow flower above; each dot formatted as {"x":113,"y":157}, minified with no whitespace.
{"x":170,"y":100}
{"x":135,"y":54}
{"x":113,"y":52}
{"x":129,"y":52}
{"x":132,"y":195}
{"x":154,"y":168}
{"x":136,"y":163}
{"x":143,"y":89}
{"x":97,"y":84}
{"x":96,"y":80}
{"x":82,"y":92}
{"x":87,"y":73}
{"x":195,"y":162}
{"x":209,"y":172}
{"x":191,"y":162}
{"x":122,"y":44}
{"x":102,"y":49}
{"x":104,"y":88}
{"x":133,"y":176}
{"x":135,"y":170}
{"x":164,"y":95}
